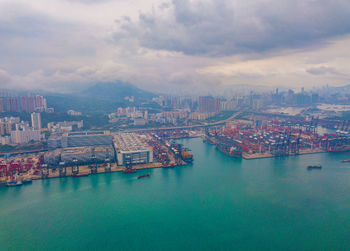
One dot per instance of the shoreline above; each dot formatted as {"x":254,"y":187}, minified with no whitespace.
{"x":86,"y":171}
{"x":251,"y":156}
{"x":269,"y":155}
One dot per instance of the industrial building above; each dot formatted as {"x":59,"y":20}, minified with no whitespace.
{"x":132,"y":148}
{"x":83,"y":155}
{"x":78,"y":139}
{"x":87,"y":154}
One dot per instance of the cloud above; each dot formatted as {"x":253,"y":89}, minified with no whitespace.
{"x":177,"y":46}
{"x":228,"y":27}
{"x":321,"y":70}
{"x":89,"y":1}
{"x":5,"y":79}
{"x":28,"y":38}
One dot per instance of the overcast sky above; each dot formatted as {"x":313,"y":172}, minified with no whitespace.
{"x":179,"y":46}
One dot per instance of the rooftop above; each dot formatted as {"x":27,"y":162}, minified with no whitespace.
{"x":130,"y":142}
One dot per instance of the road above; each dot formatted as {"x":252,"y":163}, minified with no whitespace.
{"x":221,"y":122}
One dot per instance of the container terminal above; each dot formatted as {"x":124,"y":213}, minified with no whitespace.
{"x":274,"y":138}
{"x":82,"y":154}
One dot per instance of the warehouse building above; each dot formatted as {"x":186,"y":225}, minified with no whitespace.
{"x":79,"y":139}
{"x":132,"y":147}
{"x":83,"y":155}
{"x":87,"y":154}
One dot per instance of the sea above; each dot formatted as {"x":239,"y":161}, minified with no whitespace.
{"x":216,"y":203}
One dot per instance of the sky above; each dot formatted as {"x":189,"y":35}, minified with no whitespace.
{"x":176,"y":46}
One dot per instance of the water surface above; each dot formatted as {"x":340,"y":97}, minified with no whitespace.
{"x":218,"y":203}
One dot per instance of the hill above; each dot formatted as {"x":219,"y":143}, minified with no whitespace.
{"x":118,"y":90}
{"x":101,"y":97}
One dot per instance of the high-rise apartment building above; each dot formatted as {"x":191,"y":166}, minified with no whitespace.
{"x":2,"y":105}
{"x":36,"y":121}
{"x":208,"y":104}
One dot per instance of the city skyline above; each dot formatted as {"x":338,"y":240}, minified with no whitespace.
{"x":173,"y":46}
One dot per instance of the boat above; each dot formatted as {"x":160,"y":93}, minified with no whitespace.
{"x":209,"y":140}
{"x":129,"y":170}
{"x":143,"y":176}
{"x":80,"y":174}
{"x":14,"y":183}
{"x":27,"y":180}
{"x":229,"y":150}
{"x":185,"y":156}
{"x":314,"y":167}
{"x":345,"y":160}
{"x":168,"y":165}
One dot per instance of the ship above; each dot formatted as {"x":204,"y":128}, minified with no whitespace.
{"x":314,"y":167}
{"x":229,"y":150}
{"x":27,"y":180}
{"x":129,"y":170}
{"x":208,"y":139}
{"x":14,"y":183}
{"x":345,"y":160}
{"x":182,"y":153}
{"x":168,"y":165}
{"x":186,"y":156}
{"x":80,"y":174}
{"x":143,"y":176}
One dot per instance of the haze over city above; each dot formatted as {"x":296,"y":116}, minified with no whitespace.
{"x":174,"y":125}
{"x":184,"y":46}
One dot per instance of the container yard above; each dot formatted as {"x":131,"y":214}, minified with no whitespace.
{"x":20,"y":170}
{"x":274,"y":138}
{"x":168,"y":153}
{"x":128,"y":153}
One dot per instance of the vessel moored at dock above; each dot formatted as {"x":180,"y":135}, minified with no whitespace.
{"x":229,"y":150}
{"x":76,"y":175}
{"x":129,"y":170}
{"x":186,"y":156}
{"x":14,"y":183}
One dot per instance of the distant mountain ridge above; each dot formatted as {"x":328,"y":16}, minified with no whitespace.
{"x":100,"y":97}
{"x":115,"y":90}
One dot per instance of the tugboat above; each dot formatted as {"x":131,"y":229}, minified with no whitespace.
{"x":314,"y":167}
{"x":143,"y":176}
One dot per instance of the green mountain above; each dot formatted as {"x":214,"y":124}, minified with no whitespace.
{"x":101,"y":97}
{"x":117,"y":90}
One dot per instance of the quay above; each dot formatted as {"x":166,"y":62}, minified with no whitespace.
{"x":267,"y":139}
{"x":129,"y":152}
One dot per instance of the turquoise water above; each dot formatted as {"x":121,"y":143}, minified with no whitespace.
{"x":218,"y":203}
